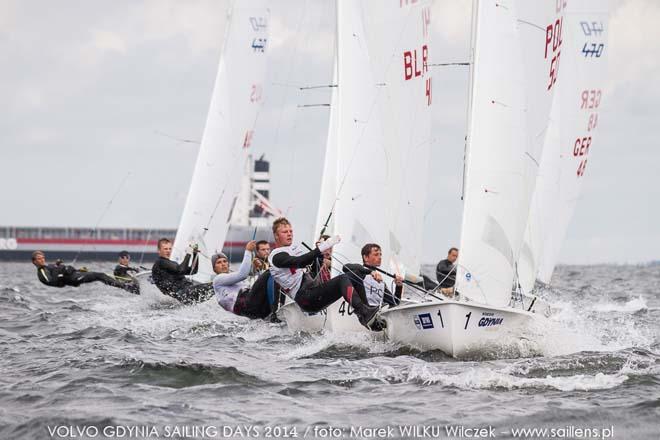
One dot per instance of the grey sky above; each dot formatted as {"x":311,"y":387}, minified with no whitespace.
{"x":86,"y":86}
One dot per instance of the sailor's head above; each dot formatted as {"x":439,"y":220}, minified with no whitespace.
{"x":165,"y":248}
{"x":283,"y":232}
{"x":220,"y":263}
{"x":263,"y":249}
{"x":38,"y":258}
{"x":372,"y":254}
{"x":452,"y":255}
{"x":124,"y":258}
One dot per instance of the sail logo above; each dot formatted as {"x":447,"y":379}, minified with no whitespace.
{"x":592,"y":28}
{"x":259,"y":44}
{"x":489,"y":322}
{"x":423,"y":321}
{"x":8,"y":244}
{"x":259,"y":23}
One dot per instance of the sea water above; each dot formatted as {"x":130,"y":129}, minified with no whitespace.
{"x":96,"y":362}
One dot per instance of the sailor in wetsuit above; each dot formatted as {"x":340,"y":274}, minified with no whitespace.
{"x":370,"y":281}
{"x":445,"y":272}
{"x":170,"y":277}
{"x":234,"y":292}
{"x":260,"y":262}
{"x":59,"y":275}
{"x":287,"y":266}
{"x":122,"y":270}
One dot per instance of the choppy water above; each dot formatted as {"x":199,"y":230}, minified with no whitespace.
{"x":97,"y":357}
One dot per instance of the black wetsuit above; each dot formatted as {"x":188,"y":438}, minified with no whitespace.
{"x":254,"y":302}
{"x":314,"y":296}
{"x":170,"y":278}
{"x":130,"y":283}
{"x":59,"y":275}
{"x":357,"y":272}
{"x":445,"y":272}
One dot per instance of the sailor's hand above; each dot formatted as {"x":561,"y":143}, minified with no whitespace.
{"x":327,"y":263}
{"x":251,"y":246}
{"x":330,"y":242}
{"x":257,"y":264}
{"x":398,"y":280}
{"x":194,"y":248}
{"x":376,"y":276}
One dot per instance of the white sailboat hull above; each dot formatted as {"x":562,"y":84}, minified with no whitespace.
{"x":299,"y":321}
{"x":462,"y":329}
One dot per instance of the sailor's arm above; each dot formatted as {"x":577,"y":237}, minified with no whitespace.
{"x":283,"y":259}
{"x":227,"y":279}
{"x":357,"y":269}
{"x":171,"y":267}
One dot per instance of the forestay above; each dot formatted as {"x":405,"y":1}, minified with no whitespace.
{"x":574,"y":129}
{"x":229,"y":131}
{"x":516,"y":51}
{"x":383,"y":112}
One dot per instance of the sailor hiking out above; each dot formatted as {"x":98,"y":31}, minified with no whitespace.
{"x":288,"y":266}
{"x":369,"y":282}
{"x":170,"y":277}
{"x":122,"y":270}
{"x":233,"y":291}
{"x":60,"y":275}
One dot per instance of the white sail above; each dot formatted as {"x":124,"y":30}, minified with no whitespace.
{"x":383,"y":123}
{"x":229,"y":131}
{"x":583,"y":74}
{"x":329,"y":180}
{"x":513,"y":80}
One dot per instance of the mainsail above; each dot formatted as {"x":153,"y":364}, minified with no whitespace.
{"x":572,"y":134}
{"x":382,"y":111}
{"x":516,"y":52}
{"x":229,"y":131}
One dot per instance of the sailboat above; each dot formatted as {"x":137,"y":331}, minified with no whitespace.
{"x":374,"y":180}
{"x":529,"y":133}
{"x":228,"y":134}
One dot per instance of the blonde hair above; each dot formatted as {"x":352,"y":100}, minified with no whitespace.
{"x":282,"y":221}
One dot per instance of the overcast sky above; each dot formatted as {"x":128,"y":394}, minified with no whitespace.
{"x":91,"y":90}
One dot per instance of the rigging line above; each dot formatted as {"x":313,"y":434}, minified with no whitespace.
{"x":105,"y":211}
{"x":188,"y":141}
{"x":531,"y":24}
{"x":144,"y":247}
{"x":448,"y":64}
{"x":319,"y":87}
{"x":289,"y":72}
{"x":312,"y":105}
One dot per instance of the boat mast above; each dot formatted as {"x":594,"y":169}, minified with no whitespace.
{"x":473,"y":39}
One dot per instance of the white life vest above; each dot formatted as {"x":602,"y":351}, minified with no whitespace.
{"x":375,"y":290}
{"x":289,"y":279}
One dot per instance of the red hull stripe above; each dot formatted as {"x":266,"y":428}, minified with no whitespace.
{"x":106,"y":242}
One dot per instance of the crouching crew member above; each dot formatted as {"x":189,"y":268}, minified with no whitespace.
{"x":370,"y":282}
{"x":287,"y":266}
{"x":122,"y":270}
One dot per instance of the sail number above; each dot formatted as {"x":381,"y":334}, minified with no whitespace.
{"x":590,"y":101}
{"x":553,"y":42}
{"x":345,"y":308}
